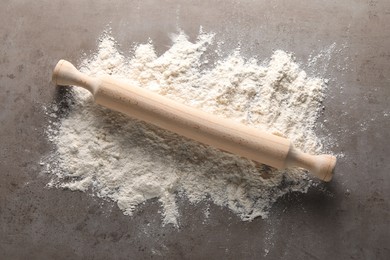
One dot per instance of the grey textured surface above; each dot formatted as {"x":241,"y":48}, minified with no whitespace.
{"x":346,"y":219}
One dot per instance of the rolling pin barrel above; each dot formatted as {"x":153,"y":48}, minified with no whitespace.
{"x":192,"y":123}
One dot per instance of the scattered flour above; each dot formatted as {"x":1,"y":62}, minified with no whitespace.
{"x":131,"y":162}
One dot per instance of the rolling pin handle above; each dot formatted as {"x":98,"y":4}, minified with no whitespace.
{"x":65,"y":74}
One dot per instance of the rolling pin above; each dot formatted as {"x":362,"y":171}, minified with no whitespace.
{"x":195,"y":124}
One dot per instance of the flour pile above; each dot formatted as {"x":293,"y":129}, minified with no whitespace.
{"x":131,"y":162}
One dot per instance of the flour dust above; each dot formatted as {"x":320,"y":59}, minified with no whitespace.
{"x":130,"y":162}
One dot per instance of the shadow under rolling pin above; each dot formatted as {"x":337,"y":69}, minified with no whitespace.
{"x":192,"y":123}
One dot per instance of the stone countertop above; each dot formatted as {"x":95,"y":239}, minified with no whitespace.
{"x":345,"y":219}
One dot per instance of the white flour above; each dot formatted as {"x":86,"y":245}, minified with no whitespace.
{"x":131,"y":162}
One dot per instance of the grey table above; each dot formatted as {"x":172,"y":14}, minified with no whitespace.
{"x":346,"y":219}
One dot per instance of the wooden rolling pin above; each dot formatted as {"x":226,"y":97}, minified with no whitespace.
{"x":224,"y":134}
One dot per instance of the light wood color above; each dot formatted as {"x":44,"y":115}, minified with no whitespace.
{"x":192,"y":123}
